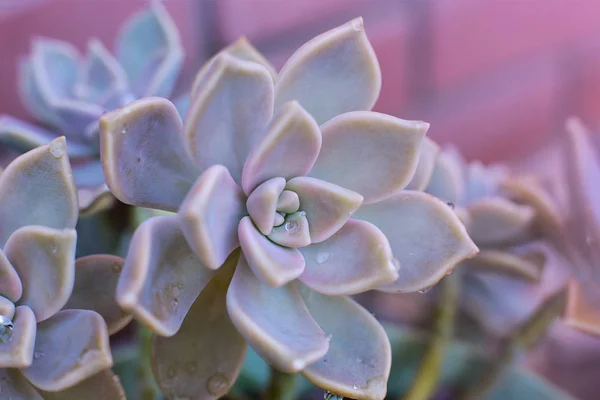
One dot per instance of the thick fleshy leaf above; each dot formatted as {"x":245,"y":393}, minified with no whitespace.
{"x":271,"y":263}
{"x":31,"y":94}
{"x":583,"y":173}
{"x":289,"y":148}
{"x":355,"y":259}
{"x":23,"y":137}
{"x":10,"y":283}
{"x":333,"y":73}
{"x":275,"y":321}
{"x":37,"y":188}
{"x":96,"y":279}
{"x":288,"y":202}
{"x":294,"y":232}
{"x":505,"y":263}
{"x":76,"y":118}
{"x":229,"y":114}
{"x":373,"y":154}
{"x":426,"y":237}
{"x":327,"y":206}
{"x":262,"y":203}
{"x":70,"y":347}
{"x":580,"y":313}
{"x":162,"y":276}
{"x":241,"y":49}
{"x":55,"y":68}
{"x":144,"y":156}
{"x":7,"y":308}
{"x":359,"y":359}
{"x":530,"y":192}
{"x":16,"y":387}
{"x":150,"y":51}
{"x":103,"y":76}
{"x":428,"y":154}
{"x":44,"y":259}
{"x":447,"y":181}
{"x":210,"y":215}
{"x":495,"y":220}
{"x":94,"y":199}
{"x":18,"y":351}
{"x":102,"y":386}
{"x":204,"y":358}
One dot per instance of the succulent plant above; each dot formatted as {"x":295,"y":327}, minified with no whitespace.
{"x":289,"y":197}
{"x":49,"y":341}
{"x":575,"y":189}
{"x":67,"y":93}
{"x":505,"y":215}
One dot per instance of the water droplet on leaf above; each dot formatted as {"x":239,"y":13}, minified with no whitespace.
{"x":427,"y":289}
{"x":217,"y":384}
{"x":323,"y":257}
{"x":6,"y":329}
{"x":57,"y":149}
{"x":329,"y":336}
{"x":292,"y":226}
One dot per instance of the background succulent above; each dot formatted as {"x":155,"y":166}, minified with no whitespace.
{"x":505,"y":215}
{"x":49,"y":342}
{"x":265,"y":173}
{"x":67,"y":93}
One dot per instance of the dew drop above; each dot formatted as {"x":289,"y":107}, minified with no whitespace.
{"x":396,"y":264}
{"x":57,"y":149}
{"x":6,"y":329}
{"x":323,"y":257}
{"x":217,"y":384}
{"x":427,"y":289}
{"x":329,"y":336}
{"x":302,"y":213}
{"x":292,"y":226}
{"x":123,"y":131}
{"x":354,"y":387}
{"x":356,"y":24}
{"x":54,"y":249}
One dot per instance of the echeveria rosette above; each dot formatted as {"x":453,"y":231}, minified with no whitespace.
{"x":505,"y":216}
{"x":68,"y":92}
{"x":265,"y":174}
{"x":44,"y":346}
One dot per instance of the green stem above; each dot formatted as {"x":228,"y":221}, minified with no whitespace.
{"x":281,"y":386}
{"x":148,"y":388}
{"x":428,"y":375}
{"x":523,"y":338}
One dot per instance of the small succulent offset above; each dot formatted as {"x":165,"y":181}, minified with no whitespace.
{"x":505,"y":216}
{"x":49,"y":345}
{"x":265,"y":174}
{"x":68,"y":94}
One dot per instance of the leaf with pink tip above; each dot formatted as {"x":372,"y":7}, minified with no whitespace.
{"x":104,"y":385}
{"x":23,"y":137}
{"x":229,"y":113}
{"x":37,"y":188}
{"x":205,"y":357}
{"x":95,"y":287}
{"x":70,"y":347}
{"x":18,"y":352}
{"x":334,"y":73}
{"x":241,"y":49}
{"x":428,"y":154}
{"x":273,"y":264}
{"x":289,"y":148}
{"x":10,"y":283}
{"x":359,"y":359}
{"x":144,"y":156}
{"x":355,"y":259}
{"x":373,"y":154}
{"x":274,"y":321}
{"x":262,"y":203}
{"x":210,"y":215}
{"x":495,"y":220}
{"x":426,"y":237}
{"x":44,"y":259}
{"x":150,"y":51}
{"x":327,"y":206}
{"x":162,"y":276}
{"x":16,"y":387}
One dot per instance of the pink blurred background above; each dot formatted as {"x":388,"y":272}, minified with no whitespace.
{"x":496,"y":77}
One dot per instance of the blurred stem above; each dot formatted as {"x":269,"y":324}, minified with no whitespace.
{"x":281,"y":385}
{"x":148,"y":388}
{"x":523,"y":338}
{"x":428,"y":375}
